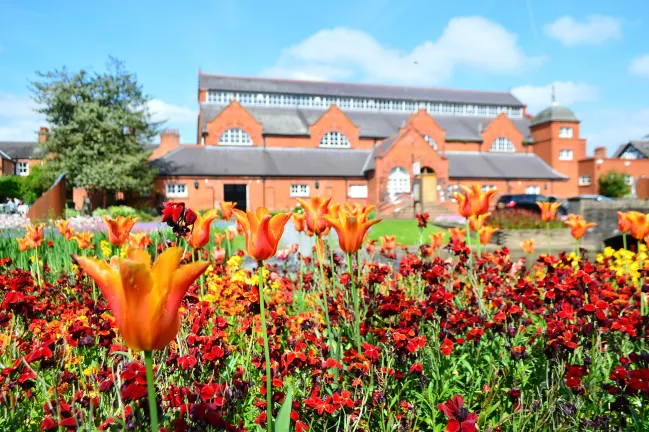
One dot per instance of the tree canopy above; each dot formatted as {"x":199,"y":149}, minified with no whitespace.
{"x":613,"y":184}
{"x":99,"y":123}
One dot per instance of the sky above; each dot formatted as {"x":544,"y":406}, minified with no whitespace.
{"x":594,"y":53}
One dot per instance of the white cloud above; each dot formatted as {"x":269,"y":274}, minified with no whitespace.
{"x":567,"y":93}
{"x":18,"y":120}
{"x":474,"y":43}
{"x":171,"y":114}
{"x":610,"y":128}
{"x":593,"y":30}
{"x":640,"y":66}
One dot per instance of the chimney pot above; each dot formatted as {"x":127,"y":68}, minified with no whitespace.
{"x":42,"y":134}
{"x":600,"y":152}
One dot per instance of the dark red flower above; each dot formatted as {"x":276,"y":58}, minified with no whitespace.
{"x":447,"y":347}
{"x":459,"y":418}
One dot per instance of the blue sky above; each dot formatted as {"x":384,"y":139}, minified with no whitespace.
{"x":595,"y":52}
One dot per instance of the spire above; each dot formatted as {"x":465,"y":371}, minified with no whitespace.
{"x":554,"y":96}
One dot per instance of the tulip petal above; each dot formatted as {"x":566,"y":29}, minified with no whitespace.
{"x":142,"y":305}
{"x":108,"y":281}
{"x":277,"y":224}
{"x":181,"y":280}
{"x":164,"y":267}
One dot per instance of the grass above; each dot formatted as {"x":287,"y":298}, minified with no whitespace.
{"x":406,"y":231}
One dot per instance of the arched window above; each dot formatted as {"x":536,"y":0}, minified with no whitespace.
{"x":430,"y":141}
{"x":235,"y":136}
{"x":334,"y":140}
{"x":503,"y":145}
{"x":398,"y":181}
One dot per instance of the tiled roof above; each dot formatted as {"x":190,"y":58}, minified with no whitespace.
{"x":555,"y":113}
{"x":500,"y":166}
{"x":283,"y":162}
{"x":259,"y":161}
{"x":641,"y":146}
{"x":21,"y":149}
{"x":296,"y":122}
{"x":376,"y":91}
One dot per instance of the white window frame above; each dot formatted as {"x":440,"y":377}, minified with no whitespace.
{"x":334,"y":139}
{"x":22,"y":168}
{"x":628,"y":180}
{"x":584,"y":180}
{"x":566,"y":154}
{"x":300,"y":190}
{"x":235,"y":137}
{"x":533,"y":190}
{"x":357,"y":191}
{"x":502,"y":145}
{"x":176,"y":190}
{"x":488,"y":187}
{"x":565,"y":132}
{"x":430,"y":141}
{"x":398,"y":181}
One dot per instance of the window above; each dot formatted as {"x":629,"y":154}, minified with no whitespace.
{"x":502,"y":144}
{"x":357,"y":191}
{"x":430,"y":141}
{"x":22,"y":168}
{"x":584,"y":180}
{"x":299,"y":190}
{"x":632,"y":153}
{"x":488,"y":187}
{"x":533,"y":190}
{"x":565,"y":132}
{"x":334,"y":140}
{"x":628,"y":180}
{"x":398,"y":181}
{"x":235,"y":136}
{"x":176,"y":190}
{"x":565,"y":154}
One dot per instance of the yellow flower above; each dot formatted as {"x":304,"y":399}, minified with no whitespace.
{"x":234,"y":262}
{"x":106,"y":249}
{"x":90,"y":370}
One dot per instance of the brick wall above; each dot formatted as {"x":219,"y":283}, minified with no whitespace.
{"x":591,"y":167}
{"x":234,"y":116}
{"x":499,"y":127}
{"x":547,"y":187}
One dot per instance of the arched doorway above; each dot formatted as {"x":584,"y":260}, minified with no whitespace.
{"x":428,"y":186}
{"x":398,"y":182}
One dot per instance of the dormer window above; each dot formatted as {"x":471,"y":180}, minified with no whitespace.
{"x":565,"y":132}
{"x":430,"y":141}
{"x":502,"y":145}
{"x":235,"y":136}
{"x":334,"y":140}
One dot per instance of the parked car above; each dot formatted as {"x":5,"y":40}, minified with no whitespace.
{"x":600,"y":198}
{"x":528,"y":202}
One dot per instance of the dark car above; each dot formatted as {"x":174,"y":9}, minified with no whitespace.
{"x":528,"y":202}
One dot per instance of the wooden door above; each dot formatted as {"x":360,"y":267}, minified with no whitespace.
{"x":429,"y":188}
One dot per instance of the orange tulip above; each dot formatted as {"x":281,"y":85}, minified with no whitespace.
{"x":528,"y":246}
{"x":320,"y":249}
{"x":218,"y":238}
{"x":335,"y":207}
{"x":437,"y":239}
{"x":463,"y":204}
{"x":299,"y":221}
{"x":119,"y":229}
{"x":143,"y":298}
{"x":84,"y":240}
{"x":485,"y":233}
{"x":351,"y":226}
{"x":200,"y":235}
{"x":623,"y":222}
{"x":230,"y":234}
{"x":314,"y":212}
{"x":139,"y":240}
{"x":477,"y":221}
{"x":548,"y":210}
{"x":35,"y":233}
{"x":475,"y":201}
{"x":65,"y":229}
{"x":218,"y":253}
{"x":226,"y":209}
{"x":325,"y":233}
{"x":457,"y":234}
{"x":25,"y":243}
{"x":578,"y":226}
{"x":639,"y":224}
{"x":262,"y":231}
{"x":388,"y":242}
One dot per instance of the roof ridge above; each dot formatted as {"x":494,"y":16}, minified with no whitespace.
{"x":353,"y":83}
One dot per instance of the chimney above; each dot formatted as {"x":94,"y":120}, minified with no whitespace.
{"x":600,"y":153}
{"x":42,"y":134}
{"x":169,"y":140}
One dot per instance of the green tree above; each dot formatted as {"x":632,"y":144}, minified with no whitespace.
{"x":100,"y":123}
{"x":613,"y":184}
{"x":33,"y":185}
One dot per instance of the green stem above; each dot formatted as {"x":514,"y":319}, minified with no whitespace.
{"x":153,"y":405}
{"x":626,"y":262}
{"x":325,"y":298}
{"x":38,"y":271}
{"x":468,"y":238}
{"x":357,"y":315}
{"x":301,"y":263}
{"x":262,"y":313}
{"x":547,"y":234}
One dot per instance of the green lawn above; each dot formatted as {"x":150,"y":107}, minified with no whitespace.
{"x":406,"y":231}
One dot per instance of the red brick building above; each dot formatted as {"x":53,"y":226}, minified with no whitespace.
{"x":265,"y":142}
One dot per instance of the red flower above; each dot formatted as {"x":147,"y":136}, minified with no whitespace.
{"x":371,"y":352}
{"x":172,"y":212}
{"x":447,"y":347}
{"x":639,"y":380}
{"x":459,"y":418}
{"x":422,"y":219}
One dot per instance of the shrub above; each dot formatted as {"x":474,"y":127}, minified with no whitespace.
{"x":33,"y":185}
{"x":520,"y":219}
{"x":11,"y":187}
{"x":70,"y":213}
{"x":613,"y":184}
{"x":114,"y":211}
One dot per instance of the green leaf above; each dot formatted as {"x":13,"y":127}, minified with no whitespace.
{"x":283,"y":421}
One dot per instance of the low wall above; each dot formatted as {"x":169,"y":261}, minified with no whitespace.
{"x":605,"y":215}
{"x":560,"y":238}
{"x":51,"y":205}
